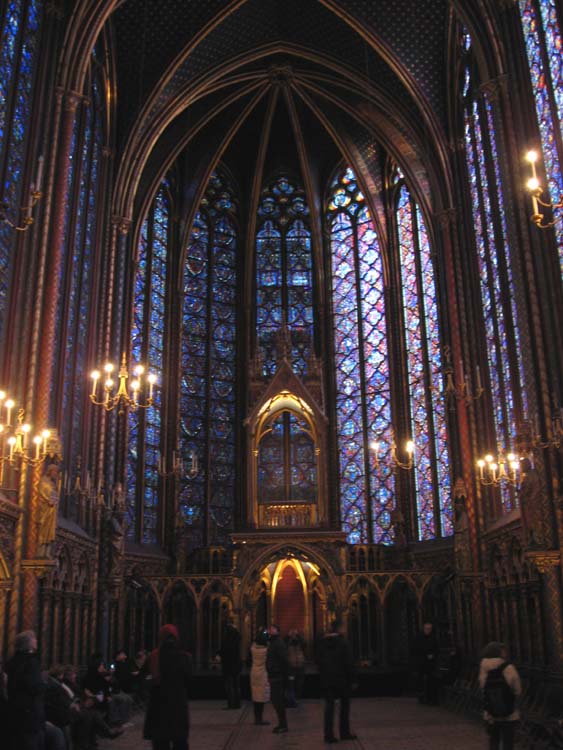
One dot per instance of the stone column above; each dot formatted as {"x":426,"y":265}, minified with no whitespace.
{"x":548,"y":564}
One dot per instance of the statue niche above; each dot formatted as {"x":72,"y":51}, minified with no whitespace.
{"x":286,"y":457}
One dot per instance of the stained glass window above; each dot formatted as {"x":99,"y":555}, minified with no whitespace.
{"x":287,"y":468}
{"x":74,"y":307}
{"x":495,"y":269}
{"x":19,"y":41}
{"x":422,"y":334}
{"x":284,"y":283}
{"x":147,"y":334}
{"x":363,"y":397}
{"x":541,"y":23}
{"x":208,"y":369}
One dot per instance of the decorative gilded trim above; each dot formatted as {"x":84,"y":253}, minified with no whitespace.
{"x":39,"y":566}
{"x":544,"y":560}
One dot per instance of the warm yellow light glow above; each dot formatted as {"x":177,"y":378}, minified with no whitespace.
{"x":511,"y":457}
{"x":135,"y":385}
{"x":152,"y":379}
{"x":108,"y":367}
{"x":109,"y":384}
{"x":10,"y":404}
{"x":45,"y":434}
{"x":2,"y":395}
{"x":533,"y":183}
{"x":38,"y":440}
{"x":139,"y":370}
{"x":532,"y":156}
{"x":488,"y":458}
{"x":481,"y":463}
{"x":374,"y":445}
{"x":12,"y":440}
{"x":95,"y":375}
{"x":26,"y":427}
{"x":410,"y":446}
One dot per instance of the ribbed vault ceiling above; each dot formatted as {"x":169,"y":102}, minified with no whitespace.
{"x":349,"y":76}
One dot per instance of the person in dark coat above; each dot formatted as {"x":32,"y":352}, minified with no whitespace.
{"x":337,"y":679}
{"x":26,"y":694}
{"x":125,"y":672}
{"x":167,"y":718}
{"x":64,"y":709}
{"x":425,"y":657}
{"x":231,"y":664}
{"x":277,"y":667}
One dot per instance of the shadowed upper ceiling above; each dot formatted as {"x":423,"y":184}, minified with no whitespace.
{"x":379,"y":67}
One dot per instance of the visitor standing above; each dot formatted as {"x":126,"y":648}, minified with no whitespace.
{"x":26,"y":694}
{"x":167,"y":719}
{"x":277,"y":666}
{"x":501,"y":686}
{"x":231,"y":663}
{"x":337,"y":678}
{"x":296,"y":655}
{"x":259,"y":685}
{"x":425,"y":656}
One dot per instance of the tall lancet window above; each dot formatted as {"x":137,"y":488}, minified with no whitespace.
{"x":495,"y":268}
{"x":76,"y":306}
{"x":147,"y":348}
{"x":208,"y":367}
{"x":20,"y":22}
{"x":284,"y":276}
{"x":541,"y":23}
{"x":363,"y":397}
{"x":422,"y":340}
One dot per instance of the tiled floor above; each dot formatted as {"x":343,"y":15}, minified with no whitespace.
{"x":380,"y":723}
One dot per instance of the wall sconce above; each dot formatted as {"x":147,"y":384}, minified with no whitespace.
{"x":492,"y":472}
{"x":459,"y":391}
{"x":26,"y":211}
{"x":536,"y":194}
{"x":396,"y":463}
{"x":177,"y":468}
{"x":556,"y":441}
{"x":112,"y":398}
{"x":194,"y":465}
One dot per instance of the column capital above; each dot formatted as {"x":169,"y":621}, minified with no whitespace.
{"x":122,"y":223}
{"x":446,"y":217}
{"x":494,"y":87}
{"x":544,"y":559}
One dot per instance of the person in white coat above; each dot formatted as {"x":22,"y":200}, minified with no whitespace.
{"x":494,"y":672}
{"x":259,"y":684}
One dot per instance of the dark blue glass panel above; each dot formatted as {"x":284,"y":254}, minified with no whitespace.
{"x":284,"y":274}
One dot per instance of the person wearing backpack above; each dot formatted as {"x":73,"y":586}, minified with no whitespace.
{"x":501,"y":686}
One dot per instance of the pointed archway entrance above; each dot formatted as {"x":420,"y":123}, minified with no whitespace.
{"x":289,"y":595}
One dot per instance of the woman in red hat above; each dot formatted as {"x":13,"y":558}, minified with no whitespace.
{"x":167,"y":719}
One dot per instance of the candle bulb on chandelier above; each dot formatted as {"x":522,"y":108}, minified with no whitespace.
{"x":25,"y":431}
{"x":12,"y":443}
{"x":9,"y":406}
{"x":533,"y":183}
{"x":37,"y":440}
{"x":152,"y":380}
{"x":39,"y":176}
{"x":95,"y":377}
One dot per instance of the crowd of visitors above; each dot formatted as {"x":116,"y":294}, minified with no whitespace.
{"x":58,"y":711}
{"x":55,"y":710}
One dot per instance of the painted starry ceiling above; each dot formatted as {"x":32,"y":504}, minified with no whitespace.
{"x":383,"y":60}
